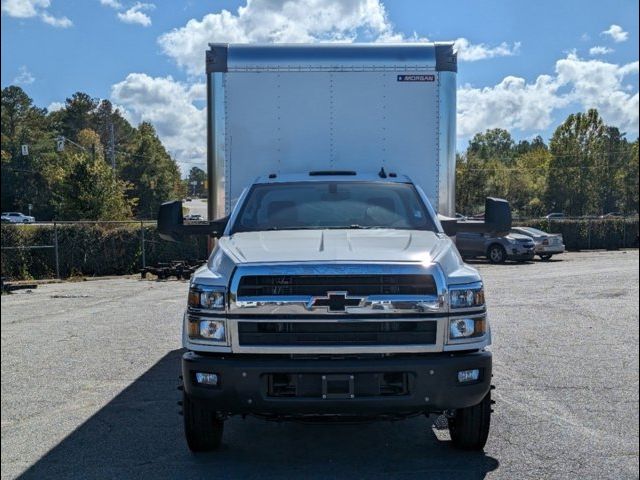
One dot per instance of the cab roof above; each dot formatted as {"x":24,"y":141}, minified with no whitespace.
{"x":332,"y":176}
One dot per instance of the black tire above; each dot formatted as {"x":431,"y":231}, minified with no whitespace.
{"x":202,"y":428}
{"x":497,"y":254}
{"x":469,"y":428}
{"x":546,"y":256}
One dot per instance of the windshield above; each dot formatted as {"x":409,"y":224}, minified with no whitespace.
{"x":335,"y":205}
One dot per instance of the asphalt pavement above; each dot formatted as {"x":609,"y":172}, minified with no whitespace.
{"x":89,"y":376}
{"x":197,"y":206}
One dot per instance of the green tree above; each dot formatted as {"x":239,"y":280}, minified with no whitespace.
{"x":105,"y":118}
{"x":155,"y":176}
{"x":495,"y":144}
{"x":77,"y":114}
{"x":196,"y":181}
{"x":629,"y":180}
{"x":23,"y":180}
{"x":90,"y":189}
{"x":586,"y":172}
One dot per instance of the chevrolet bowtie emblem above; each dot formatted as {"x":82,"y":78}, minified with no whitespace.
{"x":336,"y":301}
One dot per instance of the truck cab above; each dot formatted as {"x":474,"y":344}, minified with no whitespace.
{"x":335,"y":294}
{"x":334,"y":288}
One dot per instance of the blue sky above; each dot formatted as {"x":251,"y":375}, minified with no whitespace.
{"x":523,"y":65}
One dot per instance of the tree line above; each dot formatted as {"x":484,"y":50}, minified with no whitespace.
{"x":65,"y":172}
{"x":587,"y":168}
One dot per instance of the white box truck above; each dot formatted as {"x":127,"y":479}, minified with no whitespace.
{"x":333,"y":290}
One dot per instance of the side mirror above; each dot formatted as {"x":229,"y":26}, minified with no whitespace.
{"x":171,"y":226}
{"x":497,"y":219}
{"x":497,"y":215}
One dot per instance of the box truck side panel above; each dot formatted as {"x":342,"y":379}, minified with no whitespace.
{"x":285,"y":109}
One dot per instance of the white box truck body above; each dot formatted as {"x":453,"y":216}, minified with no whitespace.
{"x":296,"y":108}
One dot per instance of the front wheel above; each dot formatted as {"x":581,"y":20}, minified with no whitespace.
{"x":469,"y":428}
{"x":546,"y":256}
{"x":203,"y":428}
{"x":497,"y":254}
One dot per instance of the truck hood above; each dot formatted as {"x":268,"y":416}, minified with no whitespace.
{"x":379,"y":245}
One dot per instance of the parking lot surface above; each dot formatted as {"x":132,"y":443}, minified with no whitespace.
{"x":89,"y":376}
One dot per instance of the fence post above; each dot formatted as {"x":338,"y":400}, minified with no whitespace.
{"x":55,"y":246}
{"x":589,"y":236}
{"x":144,"y":260}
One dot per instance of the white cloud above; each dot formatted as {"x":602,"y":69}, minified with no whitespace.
{"x":167,"y":104}
{"x":510,"y":104}
{"x":24,"y":77}
{"x":115,"y":4}
{"x":617,"y":33}
{"x":599,"y":50}
{"x":136,"y":14}
{"x":24,"y":8}
{"x":598,"y":84}
{"x":473,"y":52}
{"x":282,"y":21}
{"x":55,"y":106}
{"x":34,"y":8}
{"x":583,"y":84}
{"x":60,"y":22}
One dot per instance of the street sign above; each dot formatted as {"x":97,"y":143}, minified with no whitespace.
{"x":25,"y":150}
{"x":60,"y":144}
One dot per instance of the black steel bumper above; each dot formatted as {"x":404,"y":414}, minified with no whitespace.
{"x":245,"y":384}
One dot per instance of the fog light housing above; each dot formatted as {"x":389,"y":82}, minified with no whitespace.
{"x":209,"y":379}
{"x":466,"y":376}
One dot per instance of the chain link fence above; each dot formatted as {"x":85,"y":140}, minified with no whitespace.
{"x":68,"y":249}
{"x":589,"y":233}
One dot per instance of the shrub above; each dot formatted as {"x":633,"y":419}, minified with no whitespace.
{"x":587,"y":234}
{"x":90,"y":249}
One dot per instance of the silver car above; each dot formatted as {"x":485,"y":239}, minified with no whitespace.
{"x":546,"y":244}
{"x":17,"y":217}
{"x":496,"y":248}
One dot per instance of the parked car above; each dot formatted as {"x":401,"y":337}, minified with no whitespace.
{"x":497,"y":249}
{"x":555,"y":216}
{"x":194,"y":217}
{"x":546,"y":244}
{"x":17,"y":217}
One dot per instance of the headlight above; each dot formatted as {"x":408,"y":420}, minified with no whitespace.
{"x":460,"y":328}
{"x":210,"y":329}
{"x":207,"y":297}
{"x":466,"y":296}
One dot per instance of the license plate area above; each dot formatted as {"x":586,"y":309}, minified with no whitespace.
{"x":338,"y":386}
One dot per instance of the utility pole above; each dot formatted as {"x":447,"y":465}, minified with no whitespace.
{"x":112,"y":146}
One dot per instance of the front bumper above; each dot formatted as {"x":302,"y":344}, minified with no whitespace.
{"x":520,"y":254}
{"x":550,"y":249}
{"x":245,"y":383}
